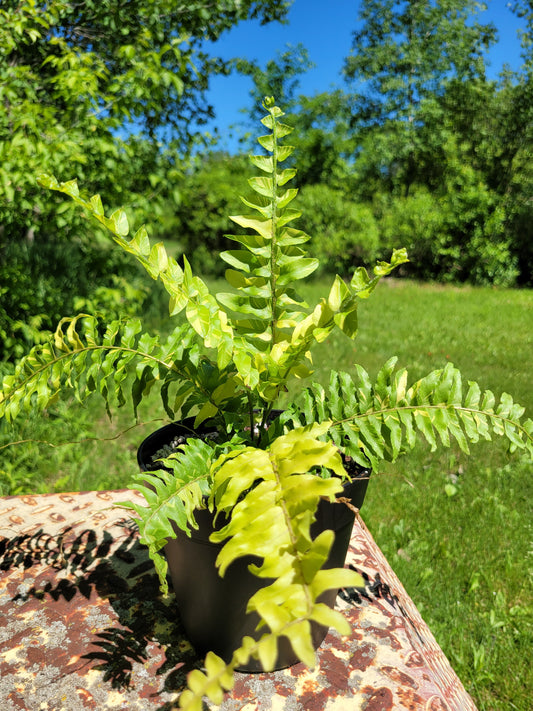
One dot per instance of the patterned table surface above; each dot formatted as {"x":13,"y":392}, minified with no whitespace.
{"x":83,"y":626}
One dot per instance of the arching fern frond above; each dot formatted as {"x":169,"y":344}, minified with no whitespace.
{"x":380,"y":421}
{"x":172,"y":495}
{"x":272,"y":490}
{"x":187,"y":292}
{"x":121,"y":360}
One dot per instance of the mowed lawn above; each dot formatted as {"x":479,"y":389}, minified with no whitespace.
{"x":457,"y":530}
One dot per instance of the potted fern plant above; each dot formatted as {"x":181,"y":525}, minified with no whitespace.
{"x":251,"y":480}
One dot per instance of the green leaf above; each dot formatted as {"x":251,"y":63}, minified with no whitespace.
{"x":285,"y":176}
{"x":120,"y":223}
{"x":286,"y":197}
{"x":267,"y":142}
{"x":284,"y":152}
{"x":239,"y":258}
{"x":338,"y":293}
{"x":262,"y":227}
{"x":262,"y":186}
{"x":265,"y":163}
{"x":296,"y":268}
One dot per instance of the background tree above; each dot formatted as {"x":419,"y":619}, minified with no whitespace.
{"x":516,"y":164}
{"x":320,"y":136}
{"x":428,"y":124}
{"x":113,"y":93}
{"x":405,"y":54}
{"x":279,"y":78}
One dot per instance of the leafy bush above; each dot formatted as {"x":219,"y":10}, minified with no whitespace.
{"x":41,"y":280}
{"x":454,"y":237}
{"x":344,"y":233}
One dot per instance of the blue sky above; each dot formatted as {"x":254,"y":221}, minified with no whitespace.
{"x":326,"y":32}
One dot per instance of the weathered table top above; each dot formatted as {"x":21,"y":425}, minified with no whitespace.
{"x":83,"y":626}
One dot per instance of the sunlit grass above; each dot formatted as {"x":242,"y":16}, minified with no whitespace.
{"x":456,"y":529}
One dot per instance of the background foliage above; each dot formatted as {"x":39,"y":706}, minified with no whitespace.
{"x":440,"y":154}
{"x":420,"y":148}
{"x":113,"y":93}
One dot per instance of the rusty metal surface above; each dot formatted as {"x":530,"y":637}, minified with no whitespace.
{"x":82,"y":626}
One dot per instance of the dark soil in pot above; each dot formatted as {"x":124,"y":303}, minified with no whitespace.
{"x":213,"y":609}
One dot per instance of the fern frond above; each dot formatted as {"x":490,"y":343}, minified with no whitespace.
{"x":272,"y":490}
{"x":380,"y":421}
{"x":172,"y":495}
{"x":270,"y":317}
{"x":187,"y":292}
{"x":121,"y":361}
{"x":272,"y":256}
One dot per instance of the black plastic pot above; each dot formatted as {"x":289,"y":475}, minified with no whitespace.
{"x":213,"y":609}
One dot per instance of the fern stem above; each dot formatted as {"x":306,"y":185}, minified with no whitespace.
{"x":267,"y":409}
{"x":273,"y":233}
{"x":251,"y":415}
{"x":84,"y":439}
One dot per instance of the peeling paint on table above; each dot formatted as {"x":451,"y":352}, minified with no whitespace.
{"x":83,"y":625}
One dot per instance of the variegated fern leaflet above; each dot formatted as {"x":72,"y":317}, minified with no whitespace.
{"x":272,"y":490}
{"x":85,"y":357}
{"x":379,"y":421}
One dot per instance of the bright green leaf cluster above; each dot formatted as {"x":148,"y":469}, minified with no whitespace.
{"x":119,"y":359}
{"x":376,"y":421}
{"x":273,"y":490}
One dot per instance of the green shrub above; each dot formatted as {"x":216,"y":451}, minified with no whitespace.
{"x":41,"y":279}
{"x":344,"y":233}
{"x":455,"y":237}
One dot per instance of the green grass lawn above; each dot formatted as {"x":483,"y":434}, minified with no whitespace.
{"x":457,"y":530}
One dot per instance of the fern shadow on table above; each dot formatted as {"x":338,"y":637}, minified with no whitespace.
{"x":119,"y":579}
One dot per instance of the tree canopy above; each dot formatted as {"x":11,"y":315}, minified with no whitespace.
{"x":404,"y":53}
{"x":113,"y":93}
{"x":420,"y":139}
